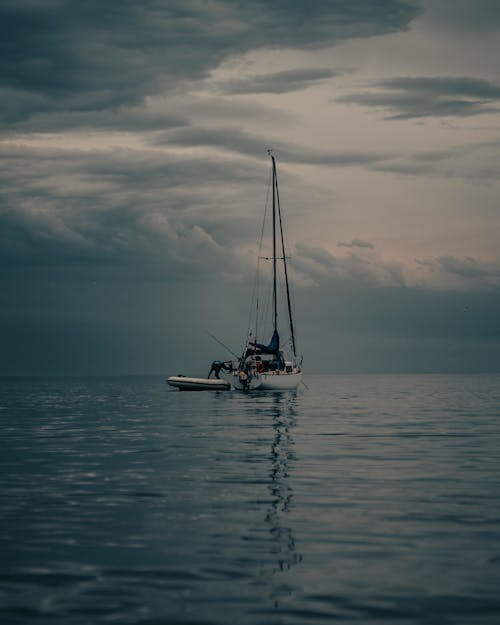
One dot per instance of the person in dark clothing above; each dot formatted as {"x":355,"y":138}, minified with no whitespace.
{"x":218,"y":366}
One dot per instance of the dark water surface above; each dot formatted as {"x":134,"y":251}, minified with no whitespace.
{"x":365,"y":499}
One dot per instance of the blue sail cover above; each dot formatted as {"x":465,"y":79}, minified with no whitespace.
{"x":273,"y":346}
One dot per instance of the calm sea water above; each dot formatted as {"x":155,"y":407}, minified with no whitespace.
{"x":365,"y":499}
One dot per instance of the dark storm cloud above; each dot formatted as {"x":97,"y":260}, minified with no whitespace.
{"x":473,"y":161}
{"x":470,"y":269}
{"x":467,"y":267}
{"x":161,"y":115}
{"x":119,"y":211}
{"x":463,"y":16}
{"x":374,"y":319}
{"x":105,"y":253}
{"x":356,"y":243}
{"x":123,"y":212}
{"x":376,"y":329}
{"x":255,"y":145}
{"x":413,"y":97}
{"x":129,"y":119}
{"x":92,"y":56}
{"x":278,"y":82}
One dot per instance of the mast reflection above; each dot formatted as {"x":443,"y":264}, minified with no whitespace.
{"x":282,"y":458}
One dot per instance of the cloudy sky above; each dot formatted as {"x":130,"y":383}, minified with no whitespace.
{"x":133,"y":141}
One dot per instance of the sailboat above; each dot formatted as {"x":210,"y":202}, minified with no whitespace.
{"x":271,"y":366}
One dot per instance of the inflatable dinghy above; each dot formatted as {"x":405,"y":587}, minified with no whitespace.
{"x":183,"y":383}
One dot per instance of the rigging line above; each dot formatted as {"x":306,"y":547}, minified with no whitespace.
{"x":264,"y":313}
{"x":285,"y":268}
{"x":257,"y":327}
{"x":265,"y":214}
{"x":221,"y":343}
{"x":255,"y":297}
{"x":291,"y":284}
{"x":288,"y":258}
{"x":256,"y":283}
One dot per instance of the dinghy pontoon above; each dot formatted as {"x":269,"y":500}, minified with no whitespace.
{"x":184,"y":383}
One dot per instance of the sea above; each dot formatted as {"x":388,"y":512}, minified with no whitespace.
{"x":357,"y":499}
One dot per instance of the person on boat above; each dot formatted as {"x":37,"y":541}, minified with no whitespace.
{"x":218,"y":366}
{"x":243,"y":375}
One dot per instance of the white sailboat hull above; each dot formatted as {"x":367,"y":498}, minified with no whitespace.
{"x":280,"y":381}
{"x":275,"y":381}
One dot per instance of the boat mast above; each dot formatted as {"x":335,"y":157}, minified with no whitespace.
{"x":275,"y":306}
{"x":290,"y":317}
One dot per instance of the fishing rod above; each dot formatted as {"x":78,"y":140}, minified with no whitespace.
{"x":221,"y":343}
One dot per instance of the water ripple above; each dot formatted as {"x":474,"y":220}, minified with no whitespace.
{"x":366,"y":499}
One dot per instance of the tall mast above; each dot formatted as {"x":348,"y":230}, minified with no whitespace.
{"x":290,"y":317}
{"x":275,"y":306}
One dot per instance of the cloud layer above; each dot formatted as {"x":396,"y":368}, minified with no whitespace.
{"x":410,"y":97}
{"x":133,"y":140}
{"x":277,"y":82}
{"x":90,"y":57}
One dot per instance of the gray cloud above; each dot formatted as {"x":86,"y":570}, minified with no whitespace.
{"x":463,"y":16}
{"x":255,"y":145}
{"x":222,"y":110}
{"x":129,"y":213}
{"x":129,"y":119}
{"x":120,"y":212}
{"x":473,"y":161}
{"x":93,"y":56}
{"x":413,"y":97}
{"x":356,"y":243}
{"x":278,"y":82}
{"x":103,"y":254}
{"x":149,"y":116}
{"x":442,"y":273}
{"x":149,"y":213}
{"x":378,"y":320}
{"x":104,"y":251}
{"x":112,"y":327}
{"x":323,"y":268}
{"x":467,"y":272}
{"x":467,"y":267}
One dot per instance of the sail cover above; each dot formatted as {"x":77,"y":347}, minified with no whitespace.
{"x":260,"y":348}
{"x":274,"y":344}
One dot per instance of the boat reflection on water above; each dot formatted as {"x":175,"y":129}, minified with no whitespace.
{"x":282,"y":458}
